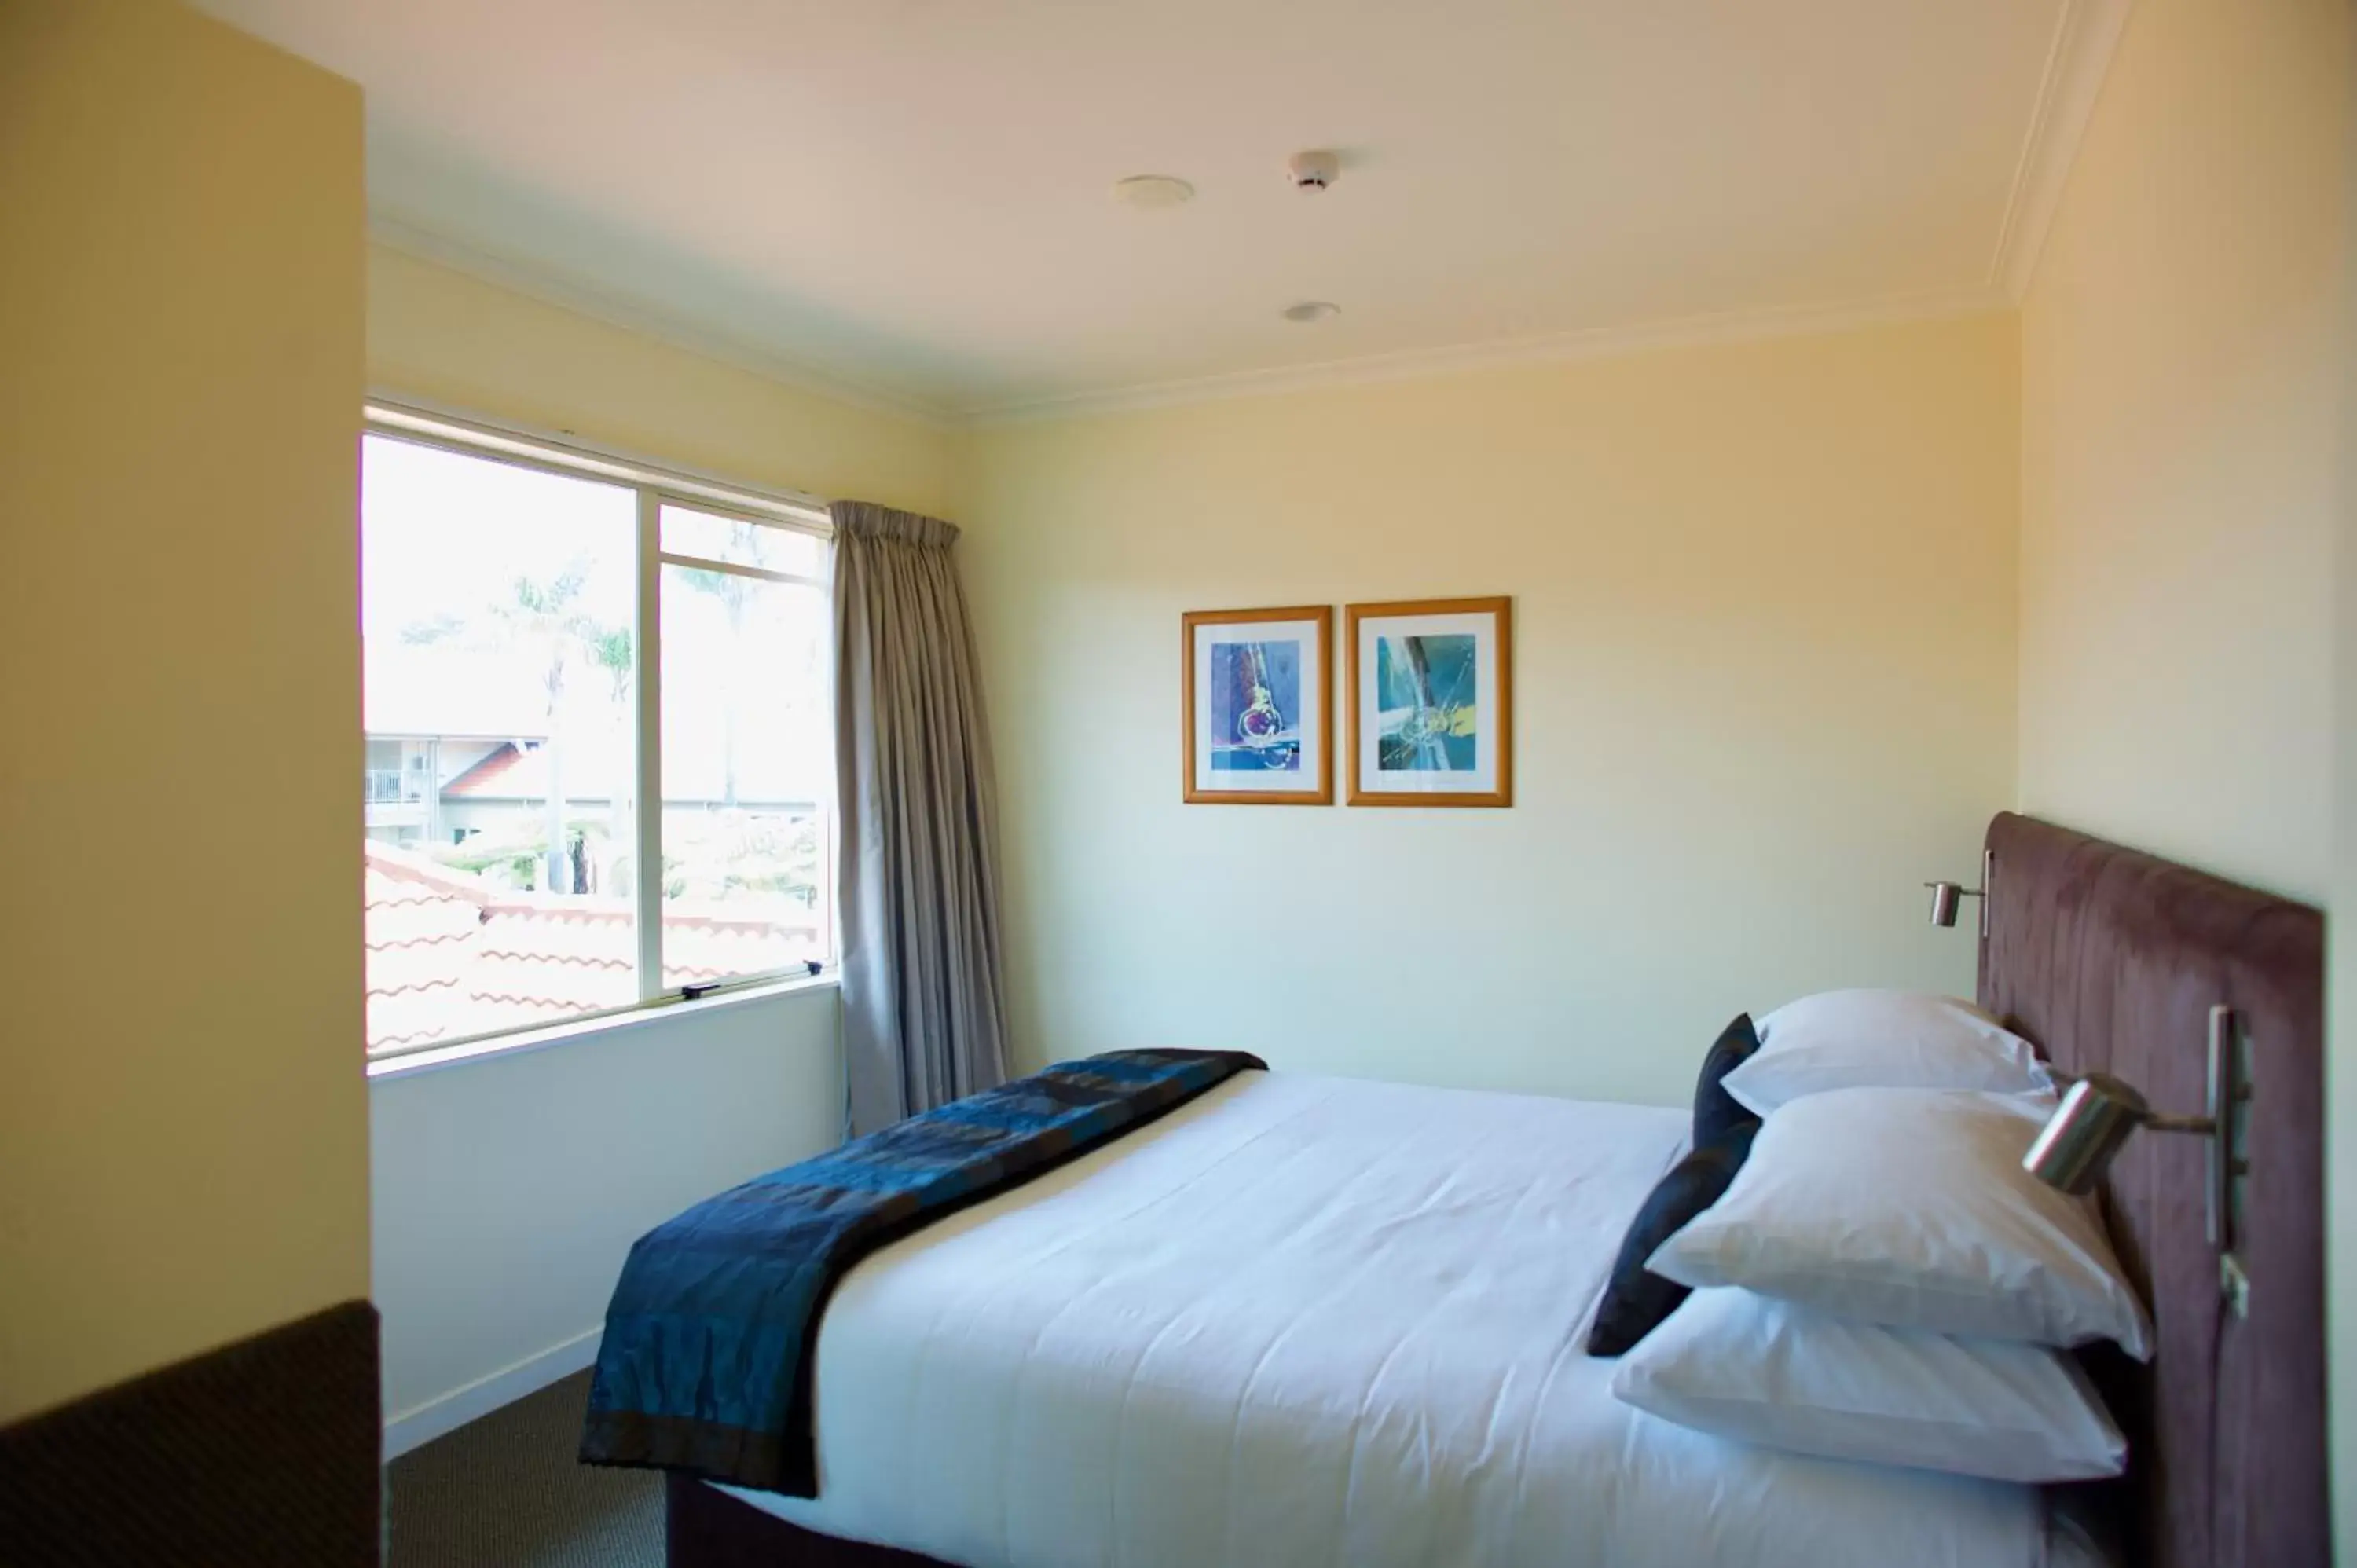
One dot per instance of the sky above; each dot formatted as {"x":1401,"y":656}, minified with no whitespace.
{"x":445,"y":536}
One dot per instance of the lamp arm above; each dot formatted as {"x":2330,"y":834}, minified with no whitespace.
{"x":2158,"y":1121}
{"x":2098,"y":1111}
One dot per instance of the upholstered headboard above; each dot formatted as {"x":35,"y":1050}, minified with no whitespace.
{"x":2112,"y":960}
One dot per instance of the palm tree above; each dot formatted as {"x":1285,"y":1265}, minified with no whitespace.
{"x":615,"y":651}
{"x":544,"y":619}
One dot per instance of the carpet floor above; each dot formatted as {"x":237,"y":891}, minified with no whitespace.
{"x":505,"y":1492}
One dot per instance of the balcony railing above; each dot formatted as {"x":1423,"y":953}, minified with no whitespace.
{"x":392,"y":786}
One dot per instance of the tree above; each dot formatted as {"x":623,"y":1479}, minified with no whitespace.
{"x":615,"y":651}
{"x":546,"y":621}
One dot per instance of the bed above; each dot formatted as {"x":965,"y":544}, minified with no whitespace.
{"x":1315,"y":1320}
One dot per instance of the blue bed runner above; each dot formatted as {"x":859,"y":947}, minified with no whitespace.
{"x":706,"y":1363}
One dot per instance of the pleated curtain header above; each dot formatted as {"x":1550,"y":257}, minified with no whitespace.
{"x":866,"y":519}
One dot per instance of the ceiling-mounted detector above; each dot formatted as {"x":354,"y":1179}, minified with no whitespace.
{"x":1153,"y":192}
{"x":1311,"y":310}
{"x":1314,"y":170}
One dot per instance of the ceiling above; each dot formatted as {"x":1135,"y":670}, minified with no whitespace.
{"x":911,"y":199}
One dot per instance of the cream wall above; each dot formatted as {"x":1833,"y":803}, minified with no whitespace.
{"x":2180,"y":368}
{"x":451,"y":338}
{"x":183,"y":1127}
{"x":1764,"y":612}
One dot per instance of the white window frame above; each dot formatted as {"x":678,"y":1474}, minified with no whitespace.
{"x":655,"y":485}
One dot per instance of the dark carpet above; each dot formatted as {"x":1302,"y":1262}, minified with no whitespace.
{"x":505,"y":1492}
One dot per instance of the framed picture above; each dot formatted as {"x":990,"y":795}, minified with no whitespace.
{"x":1431,"y":698}
{"x":1256,"y":685}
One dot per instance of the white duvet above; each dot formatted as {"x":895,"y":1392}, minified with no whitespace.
{"x":1319,"y":1321}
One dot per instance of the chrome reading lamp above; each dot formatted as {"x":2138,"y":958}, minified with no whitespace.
{"x":1947,"y":895}
{"x":2100,"y":1111}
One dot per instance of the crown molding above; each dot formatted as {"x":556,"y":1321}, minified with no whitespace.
{"x":548,"y":286}
{"x":2086,"y":34}
{"x":1597,"y":342}
{"x":551,"y":287}
{"x":2076,"y":63}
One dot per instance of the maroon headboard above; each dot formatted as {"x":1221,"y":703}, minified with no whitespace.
{"x":2111,"y":960}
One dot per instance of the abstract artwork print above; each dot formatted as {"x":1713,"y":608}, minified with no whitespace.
{"x":1429,"y":714}
{"x":1256,"y":706}
{"x":1429,"y":689}
{"x":1253,"y":693}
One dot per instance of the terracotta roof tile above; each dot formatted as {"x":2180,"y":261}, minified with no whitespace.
{"x":478,"y":779}
{"x":450,"y":954}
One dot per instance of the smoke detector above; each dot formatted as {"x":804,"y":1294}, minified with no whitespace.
{"x":1311,"y":310}
{"x":1313,"y":170}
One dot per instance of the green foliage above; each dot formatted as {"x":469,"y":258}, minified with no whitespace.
{"x":615,"y":651}
{"x":542,"y":617}
{"x":733,"y":591}
{"x":713,"y":856}
{"x":515,"y":855}
{"x":553,"y":597}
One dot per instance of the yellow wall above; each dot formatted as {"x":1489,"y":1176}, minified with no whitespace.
{"x":2179,"y":354}
{"x":2341,"y":1066}
{"x":1764,"y":613}
{"x":453,"y":339}
{"x":183,"y":1127}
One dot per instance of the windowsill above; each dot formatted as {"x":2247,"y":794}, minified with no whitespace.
{"x":469,"y":1052}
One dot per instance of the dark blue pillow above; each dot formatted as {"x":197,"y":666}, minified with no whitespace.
{"x":1635,"y":1300}
{"x":1715,"y":1112}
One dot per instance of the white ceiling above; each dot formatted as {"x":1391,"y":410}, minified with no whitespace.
{"x":911,"y":197}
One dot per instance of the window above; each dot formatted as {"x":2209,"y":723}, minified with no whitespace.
{"x":747,"y":752}
{"x":550,"y":642}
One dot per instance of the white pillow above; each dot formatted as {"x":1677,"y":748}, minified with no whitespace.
{"x":1885,"y":1039}
{"x":1909,"y":1208}
{"x":1743,"y":1365}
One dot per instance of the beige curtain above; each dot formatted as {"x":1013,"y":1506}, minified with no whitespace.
{"x":924,"y":1012}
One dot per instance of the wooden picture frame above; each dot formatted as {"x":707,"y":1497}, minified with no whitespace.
{"x":1456,"y":746}
{"x":1257,"y":708}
